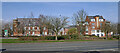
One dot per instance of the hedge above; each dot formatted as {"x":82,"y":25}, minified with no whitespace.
{"x":116,"y":37}
{"x":62,"y":37}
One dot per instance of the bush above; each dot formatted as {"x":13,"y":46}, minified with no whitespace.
{"x":49,"y":37}
{"x":29,"y":38}
{"x":90,"y":36}
{"x":74,"y":36}
{"x":42,"y":38}
{"x":34,"y":38}
{"x":116,"y":37}
{"x":63,"y":37}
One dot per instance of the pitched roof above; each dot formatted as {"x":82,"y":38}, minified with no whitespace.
{"x":93,"y":17}
{"x":27,"y":21}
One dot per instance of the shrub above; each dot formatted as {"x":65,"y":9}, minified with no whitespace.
{"x":49,"y":37}
{"x":29,"y":38}
{"x":110,"y":38}
{"x":90,"y":36}
{"x":116,"y":37}
{"x":74,"y":36}
{"x":63,"y":37}
{"x":42,"y":38}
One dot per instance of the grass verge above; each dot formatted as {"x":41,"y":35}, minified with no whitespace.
{"x":41,"y":41}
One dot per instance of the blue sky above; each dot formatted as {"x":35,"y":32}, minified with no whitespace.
{"x":12,"y":10}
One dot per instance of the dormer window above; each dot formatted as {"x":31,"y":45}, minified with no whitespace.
{"x":100,"y":19}
{"x":93,"y":20}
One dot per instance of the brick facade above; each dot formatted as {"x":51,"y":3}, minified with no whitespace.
{"x":93,"y":25}
{"x":28,"y":28}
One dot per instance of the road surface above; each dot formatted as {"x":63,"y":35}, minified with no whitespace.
{"x":111,"y":45}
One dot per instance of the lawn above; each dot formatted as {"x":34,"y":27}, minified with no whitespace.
{"x":42,"y":41}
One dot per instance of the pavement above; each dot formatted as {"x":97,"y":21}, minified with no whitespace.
{"x":111,"y":45}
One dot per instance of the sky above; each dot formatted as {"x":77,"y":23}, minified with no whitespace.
{"x":12,"y":10}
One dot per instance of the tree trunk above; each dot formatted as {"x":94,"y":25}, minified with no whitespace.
{"x":56,"y":36}
{"x":106,"y":35}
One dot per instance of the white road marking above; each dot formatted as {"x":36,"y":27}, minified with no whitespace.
{"x":114,"y":49}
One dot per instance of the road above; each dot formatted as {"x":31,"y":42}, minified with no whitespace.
{"x":111,"y":45}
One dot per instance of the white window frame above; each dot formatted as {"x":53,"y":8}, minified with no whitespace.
{"x":93,"y":27}
{"x":93,"y":20}
{"x":25,"y":28}
{"x":65,"y":33}
{"x":101,"y":20}
{"x":87,"y":29}
{"x":33,"y":33}
{"x":86,"y":22}
{"x":93,"y":31}
{"x":29,"y":28}
{"x":45,"y":33}
{"x":37,"y":28}
{"x":93,"y":23}
{"x":33,"y":28}
{"x":44,"y":28}
{"x":29,"y":32}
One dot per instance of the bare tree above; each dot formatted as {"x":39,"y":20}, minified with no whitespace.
{"x":8,"y":26}
{"x":56,"y":24}
{"x":43,"y":22}
{"x":114,"y":28}
{"x":0,"y":27}
{"x":79,"y":19}
{"x":118,"y":27}
{"x":106,"y":28}
{"x":32,"y":16}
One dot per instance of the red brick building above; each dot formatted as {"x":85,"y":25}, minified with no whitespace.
{"x":33,"y":27}
{"x":93,"y":24}
{"x":28,"y":27}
